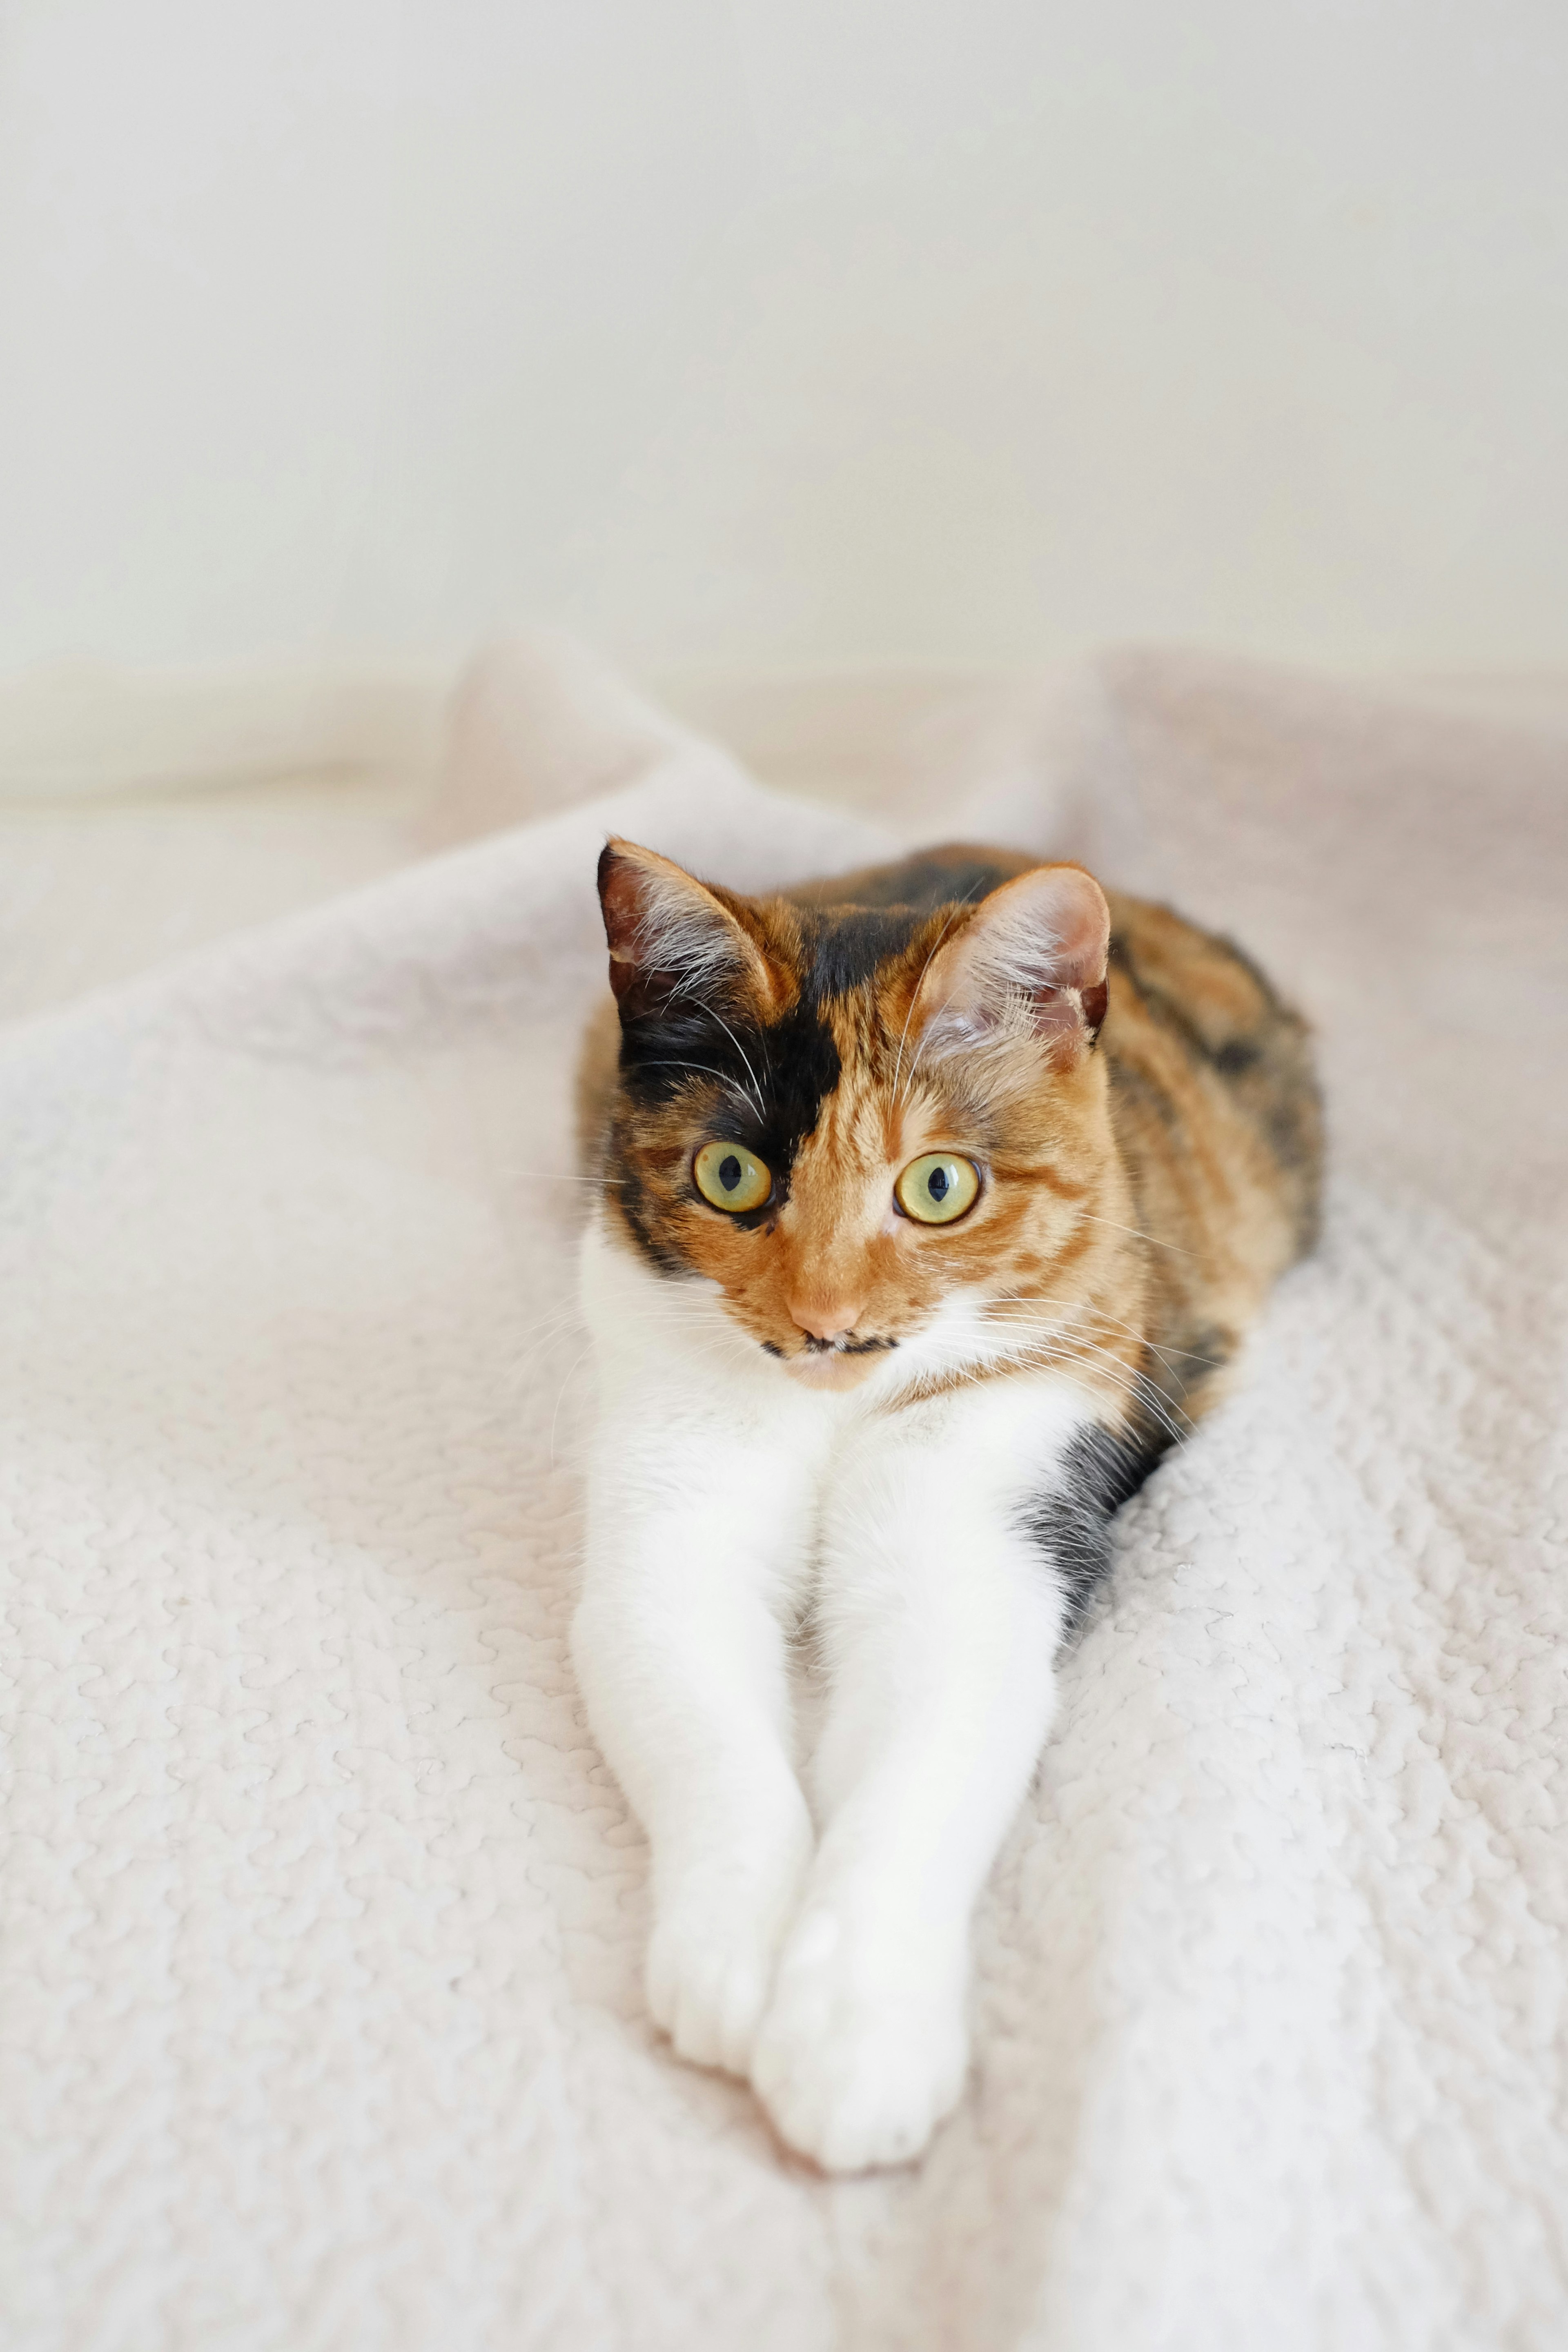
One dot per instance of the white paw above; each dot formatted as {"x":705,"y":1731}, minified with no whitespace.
{"x":864,"y":2048}
{"x":711,"y":1956}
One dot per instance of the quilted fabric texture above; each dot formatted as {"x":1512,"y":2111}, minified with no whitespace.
{"x":323,"y":1921}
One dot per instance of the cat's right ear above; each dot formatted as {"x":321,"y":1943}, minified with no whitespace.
{"x":670,"y":937}
{"x":1030,"y":963}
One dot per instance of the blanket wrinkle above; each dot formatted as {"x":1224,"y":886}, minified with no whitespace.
{"x":321,"y":2021}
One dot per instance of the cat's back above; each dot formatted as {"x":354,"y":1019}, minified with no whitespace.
{"x":1218,"y":1120}
{"x":1206,"y":1054}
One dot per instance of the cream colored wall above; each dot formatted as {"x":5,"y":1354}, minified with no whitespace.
{"x":775,"y":335}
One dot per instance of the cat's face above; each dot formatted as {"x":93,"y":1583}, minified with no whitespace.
{"x":863,"y":1125}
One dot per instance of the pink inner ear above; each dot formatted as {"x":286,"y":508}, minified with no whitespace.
{"x":1064,"y":909}
{"x":621,"y":898}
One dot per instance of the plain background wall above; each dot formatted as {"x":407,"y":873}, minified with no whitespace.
{"x":784,"y":332}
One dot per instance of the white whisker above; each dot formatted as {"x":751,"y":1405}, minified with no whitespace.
{"x":560,"y":1395}
{"x":704,"y":1068}
{"x":1138,"y":1235}
{"x":756,"y":1090}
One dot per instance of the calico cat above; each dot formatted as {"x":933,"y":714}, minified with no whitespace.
{"x":936,"y":1201}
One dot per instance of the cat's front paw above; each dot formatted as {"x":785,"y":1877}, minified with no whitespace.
{"x":712,"y":1956}
{"x":862,"y":2052}
{"x":707,"y":1984}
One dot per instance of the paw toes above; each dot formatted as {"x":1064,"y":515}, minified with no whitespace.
{"x":707,"y":1994}
{"x":867,"y":2087}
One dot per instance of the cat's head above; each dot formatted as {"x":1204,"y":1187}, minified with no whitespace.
{"x":857,"y":1120}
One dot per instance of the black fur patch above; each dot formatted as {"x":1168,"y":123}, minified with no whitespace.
{"x":846,"y":949}
{"x":844,"y":944}
{"x":814,"y":1347}
{"x":1072,"y":1523}
{"x":773,"y":1077}
{"x":921,"y":882}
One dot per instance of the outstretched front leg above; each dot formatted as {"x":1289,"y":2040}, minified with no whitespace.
{"x":680,"y":1658}
{"x":940,"y":1618}
{"x":699,"y":1516}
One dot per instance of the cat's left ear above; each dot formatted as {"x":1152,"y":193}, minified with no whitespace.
{"x":1030,"y":961}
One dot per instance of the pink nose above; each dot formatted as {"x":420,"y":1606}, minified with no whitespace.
{"x":826,"y":1322}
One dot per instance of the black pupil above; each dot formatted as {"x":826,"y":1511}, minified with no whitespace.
{"x":937,"y":1183}
{"x":730,"y":1172}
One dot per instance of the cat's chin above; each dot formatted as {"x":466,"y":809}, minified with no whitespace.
{"x":830,"y":1371}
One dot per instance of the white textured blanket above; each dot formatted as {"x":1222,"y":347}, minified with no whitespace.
{"x":322,"y":1920}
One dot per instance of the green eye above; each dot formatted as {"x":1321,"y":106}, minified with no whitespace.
{"x":937,"y":1189}
{"x":732,"y":1178}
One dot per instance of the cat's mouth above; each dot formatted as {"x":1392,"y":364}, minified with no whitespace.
{"x":838,"y":1363}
